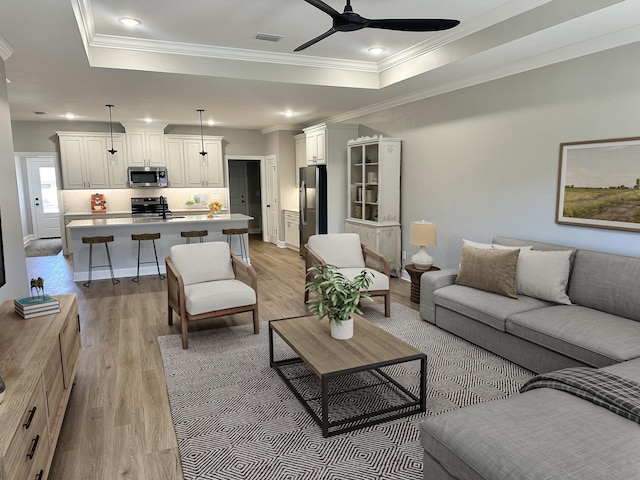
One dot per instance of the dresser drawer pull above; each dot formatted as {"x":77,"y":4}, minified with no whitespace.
{"x":40,"y":475}
{"x":32,"y":412}
{"x":33,"y":447}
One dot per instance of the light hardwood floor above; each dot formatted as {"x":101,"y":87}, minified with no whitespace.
{"x":118,"y":423}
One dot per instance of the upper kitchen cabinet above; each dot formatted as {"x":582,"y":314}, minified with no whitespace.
{"x":117,"y":162}
{"x":188,"y":168}
{"x":84,"y":160}
{"x":315,"y":145}
{"x":145,"y":145}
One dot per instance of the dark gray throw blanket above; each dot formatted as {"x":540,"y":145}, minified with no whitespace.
{"x":620,"y":395}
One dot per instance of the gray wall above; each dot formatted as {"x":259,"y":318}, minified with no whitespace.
{"x":484,"y":160}
{"x":13,"y":249}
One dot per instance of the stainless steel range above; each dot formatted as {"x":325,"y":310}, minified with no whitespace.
{"x":150,"y":207}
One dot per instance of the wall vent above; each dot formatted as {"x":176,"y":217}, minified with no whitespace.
{"x":269,"y":37}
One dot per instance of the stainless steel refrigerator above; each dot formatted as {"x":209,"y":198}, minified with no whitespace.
{"x":313,"y":203}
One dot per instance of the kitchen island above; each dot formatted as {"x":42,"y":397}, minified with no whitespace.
{"x":124,"y":251}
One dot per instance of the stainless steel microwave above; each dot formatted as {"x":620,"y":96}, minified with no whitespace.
{"x":147,"y":177}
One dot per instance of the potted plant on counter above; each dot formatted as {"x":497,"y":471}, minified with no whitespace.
{"x":336,"y":297}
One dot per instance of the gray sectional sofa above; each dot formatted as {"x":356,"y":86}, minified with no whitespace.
{"x":544,"y":433}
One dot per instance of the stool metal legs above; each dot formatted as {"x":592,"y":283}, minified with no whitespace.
{"x":114,"y":280}
{"x":155,"y":253}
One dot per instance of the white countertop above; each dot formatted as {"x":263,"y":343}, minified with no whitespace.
{"x":180,"y":211}
{"x":175,"y":219}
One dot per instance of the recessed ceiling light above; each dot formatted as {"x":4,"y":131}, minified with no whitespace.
{"x":129,"y":22}
{"x":288,"y":113}
{"x":8,"y":81}
{"x":69,"y":116}
{"x":210,"y":122}
{"x":376,"y":50}
{"x":148,"y":120}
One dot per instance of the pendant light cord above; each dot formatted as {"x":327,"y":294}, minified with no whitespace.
{"x":203,"y":153}
{"x":112,"y":151}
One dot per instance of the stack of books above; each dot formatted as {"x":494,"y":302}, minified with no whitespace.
{"x":29,"y":307}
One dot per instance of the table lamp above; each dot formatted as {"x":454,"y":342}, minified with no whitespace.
{"x":422,"y":234}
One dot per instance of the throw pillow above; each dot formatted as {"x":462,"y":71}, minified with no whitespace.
{"x":497,"y":246}
{"x":544,"y":274}
{"x":469,"y":243}
{"x":489,"y":270}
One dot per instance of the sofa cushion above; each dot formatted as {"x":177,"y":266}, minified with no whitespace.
{"x":606,"y":282}
{"x":489,"y":270}
{"x":379,"y":281}
{"x":218,"y":295}
{"x":339,"y":249}
{"x":542,"y":434}
{"x":203,"y":262}
{"x":489,"y":308}
{"x":590,"y":336}
{"x":544,"y":274}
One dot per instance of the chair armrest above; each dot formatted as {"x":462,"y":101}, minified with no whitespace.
{"x":429,"y":283}
{"x":244,"y":272}
{"x":175,"y":287}
{"x":375,"y":261}
{"x":311,"y":259}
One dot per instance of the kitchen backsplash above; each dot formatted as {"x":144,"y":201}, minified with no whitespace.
{"x":119,"y":200}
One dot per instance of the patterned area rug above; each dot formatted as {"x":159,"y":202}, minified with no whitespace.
{"x":236,"y":419}
{"x":48,"y":247}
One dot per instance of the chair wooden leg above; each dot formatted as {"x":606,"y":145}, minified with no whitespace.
{"x":256,"y":322}
{"x":306,"y":296}
{"x":185,"y":334}
{"x":387,"y":305}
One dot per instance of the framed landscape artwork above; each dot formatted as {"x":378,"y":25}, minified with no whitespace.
{"x":599,"y":184}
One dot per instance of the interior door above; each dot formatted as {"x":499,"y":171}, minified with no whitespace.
{"x":273,"y":206}
{"x":238,"y":187}
{"x":43,"y":195}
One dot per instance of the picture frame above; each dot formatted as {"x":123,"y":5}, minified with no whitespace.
{"x":599,"y":184}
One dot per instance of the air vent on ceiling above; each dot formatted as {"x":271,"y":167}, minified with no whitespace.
{"x":41,"y":113}
{"x":269,"y":37}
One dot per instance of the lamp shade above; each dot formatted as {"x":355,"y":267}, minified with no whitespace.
{"x":423,"y":233}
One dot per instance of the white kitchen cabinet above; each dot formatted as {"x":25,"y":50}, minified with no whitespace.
{"x":145,"y":145}
{"x":117,"y":162}
{"x":315,"y":145}
{"x":328,"y":143}
{"x":174,"y":150}
{"x":83,"y":157}
{"x":374,"y":195}
{"x":207,"y":170}
{"x":292,"y":229}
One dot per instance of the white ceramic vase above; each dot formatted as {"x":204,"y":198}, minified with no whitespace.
{"x":344,"y":331}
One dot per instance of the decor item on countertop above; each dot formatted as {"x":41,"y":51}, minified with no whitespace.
{"x":111,"y":150}
{"x":38,"y":284}
{"x":337,"y":297}
{"x":98,"y":203}
{"x":226,"y":364}
{"x":214,"y":207}
{"x":30,"y":307}
{"x":422,"y":234}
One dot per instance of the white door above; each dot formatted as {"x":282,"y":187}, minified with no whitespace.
{"x":238,"y":201}
{"x":273,"y":207}
{"x":43,"y":195}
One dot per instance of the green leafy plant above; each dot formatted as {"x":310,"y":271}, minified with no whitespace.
{"x":336,"y":297}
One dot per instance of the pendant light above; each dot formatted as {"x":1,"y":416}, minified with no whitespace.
{"x":111,"y":151}
{"x":203,"y":153}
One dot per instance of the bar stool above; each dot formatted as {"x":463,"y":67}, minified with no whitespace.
{"x":229,"y":232}
{"x":194,"y":234}
{"x":92,"y":241}
{"x":146,"y":236}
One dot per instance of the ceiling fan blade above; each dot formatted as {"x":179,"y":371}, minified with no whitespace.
{"x":331,"y":31}
{"x":324,"y":7}
{"x":413,"y":24}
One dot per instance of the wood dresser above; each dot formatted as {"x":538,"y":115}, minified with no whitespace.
{"x":38,"y":362}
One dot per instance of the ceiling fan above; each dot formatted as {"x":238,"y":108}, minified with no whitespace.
{"x":349,"y":21}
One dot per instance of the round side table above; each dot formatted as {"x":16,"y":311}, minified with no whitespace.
{"x":415,"y":275}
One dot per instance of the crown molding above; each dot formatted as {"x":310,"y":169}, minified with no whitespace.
{"x":277,"y":128}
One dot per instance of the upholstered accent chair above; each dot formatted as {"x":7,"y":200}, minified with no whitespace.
{"x":206,"y":280}
{"x":345,"y":251}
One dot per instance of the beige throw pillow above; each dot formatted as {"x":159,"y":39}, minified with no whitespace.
{"x":489,"y":270}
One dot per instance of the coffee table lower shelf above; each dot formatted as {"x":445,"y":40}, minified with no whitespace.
{"x":409,"y":403}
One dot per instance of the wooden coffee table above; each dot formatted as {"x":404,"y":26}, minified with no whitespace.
{"x":370,"y":350}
